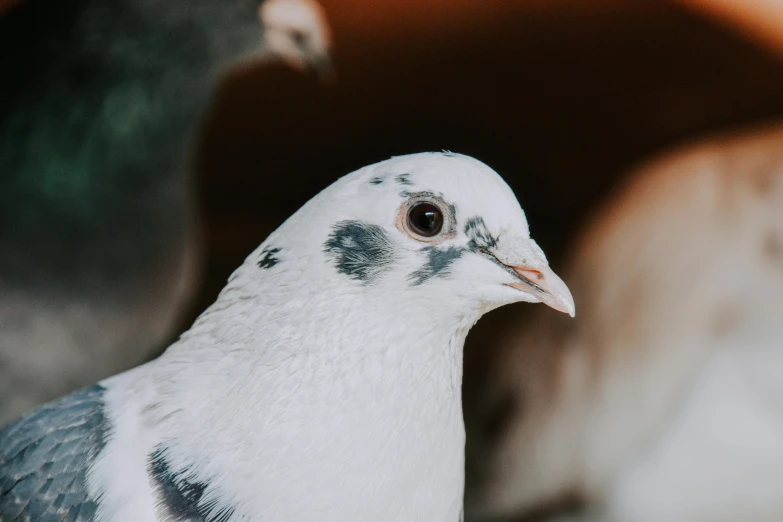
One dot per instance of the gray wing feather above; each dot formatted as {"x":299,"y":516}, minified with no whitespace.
{"x":44,"y":458}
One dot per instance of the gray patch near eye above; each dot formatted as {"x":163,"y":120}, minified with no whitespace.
{"x":376,"y":180}
{"x":360,"y":250}
{"x":404,"y":179}
{"x":439,"y":261}
{"x":453,"y":211}
{"x":479,"y":234}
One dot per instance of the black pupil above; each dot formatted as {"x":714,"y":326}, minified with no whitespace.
{"x":425,"y":219}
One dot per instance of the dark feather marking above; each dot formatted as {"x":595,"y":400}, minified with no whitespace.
{"x":453,"y":211}
{"x":404,"y":179}
{"x":45,"y":455}
{"x":479,"y":234}
{"x":268,"y":259}
{"x":439,"y":261}
{"x":180,"y":496}
{"x":360,"y":250}
{"x":376,"y":180}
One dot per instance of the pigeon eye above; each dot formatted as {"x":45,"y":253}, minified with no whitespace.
{"x":299,"y":38}
{"x":425,"y":219}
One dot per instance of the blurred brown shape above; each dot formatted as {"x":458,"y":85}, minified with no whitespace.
{"x":659,"y":401}
{"x":759,"y":19}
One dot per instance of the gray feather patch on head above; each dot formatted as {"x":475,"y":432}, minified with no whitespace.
{"x":404,"y":179}
{"x":360,"y":250}
{"x":439,"y":261}
{"x":479,"y":234}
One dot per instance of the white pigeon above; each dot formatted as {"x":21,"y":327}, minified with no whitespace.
{"x":324,"y":383}
{"x":664,"y":401}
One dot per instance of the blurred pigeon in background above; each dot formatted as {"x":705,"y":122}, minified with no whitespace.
{"x":324,"y":383}
{"x":663,"y":401}
{"x":100,"y":101}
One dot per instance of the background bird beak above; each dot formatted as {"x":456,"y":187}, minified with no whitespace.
{"x":545,"y":285}
{"x":323,"y":66}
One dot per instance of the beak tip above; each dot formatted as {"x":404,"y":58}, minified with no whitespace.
{"x":549,"y":288}
{"x":565,"y":306}
{"x":568,"y":305}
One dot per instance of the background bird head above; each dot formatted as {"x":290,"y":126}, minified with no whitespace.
{"x":297,"y":32}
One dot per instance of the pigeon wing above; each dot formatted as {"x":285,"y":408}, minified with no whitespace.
{"x":44,"y":458}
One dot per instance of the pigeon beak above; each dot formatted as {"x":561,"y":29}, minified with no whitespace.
{"x":523,"y":259}
{"x":323,"y":67}
{"x":546,"y":286}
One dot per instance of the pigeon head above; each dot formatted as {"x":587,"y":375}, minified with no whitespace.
{"x":334,"y":354}
{"x":297,"y":32}
{"x":427,"y":228}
